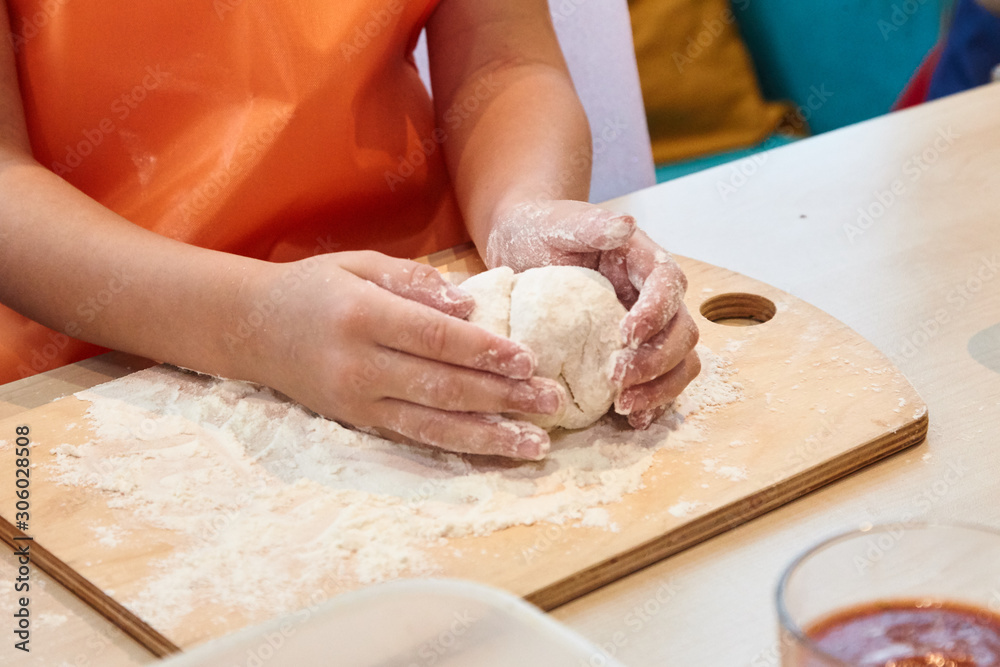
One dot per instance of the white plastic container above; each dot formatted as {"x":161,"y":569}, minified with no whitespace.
{"x":409,"y":623}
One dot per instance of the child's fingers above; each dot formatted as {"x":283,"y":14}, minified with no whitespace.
{"x":556,"y":232}
{"x":411,"y":280}
{"x":464,"y":432}
{"x":659,"y":354}
{"x":413,"y":328}
{"x":614,"y":266}
{"x":418,"y":312}
{"x":653,"y":395}
{"x":587,"y":228}
{"x":661,"y":285}
{"x":643,"y":419}
{"x":436,"y":385}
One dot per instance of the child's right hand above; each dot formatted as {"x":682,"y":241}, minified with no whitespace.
{"x":379,"y":342}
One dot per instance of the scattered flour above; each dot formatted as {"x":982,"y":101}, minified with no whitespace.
{"x":48,"y":619}
{"x":108,"y":536}
{"x":597,"y":517}
{"x":732,"y":473}
{"x":734,"y":344}
{"x":270,"y":502}
{"x":683,"y":508}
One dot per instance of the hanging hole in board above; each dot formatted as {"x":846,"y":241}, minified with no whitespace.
{"x":738,"y":309}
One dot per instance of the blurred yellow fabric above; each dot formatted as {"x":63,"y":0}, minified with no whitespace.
{"x":700,"y":90}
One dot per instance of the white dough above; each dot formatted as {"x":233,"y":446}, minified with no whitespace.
{"x":570,"y":317}
{"x":491,"y":290}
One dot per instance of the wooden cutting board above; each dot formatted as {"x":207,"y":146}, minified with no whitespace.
{"x":819,"y":402}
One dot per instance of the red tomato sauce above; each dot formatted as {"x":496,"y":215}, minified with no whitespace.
{"x":910,"y":633}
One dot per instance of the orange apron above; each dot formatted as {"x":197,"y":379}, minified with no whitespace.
{"x":275,"y":130}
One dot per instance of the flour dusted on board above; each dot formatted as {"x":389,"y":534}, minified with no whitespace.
{"x":269,"y":502}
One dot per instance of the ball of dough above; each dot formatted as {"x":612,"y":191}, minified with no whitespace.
{"x":571,"y":319}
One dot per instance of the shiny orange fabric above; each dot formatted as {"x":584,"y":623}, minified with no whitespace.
{"x":273,"y":130}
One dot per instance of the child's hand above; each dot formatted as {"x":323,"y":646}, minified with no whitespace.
{"x":378,"y":342}
{"x":658,"y":329}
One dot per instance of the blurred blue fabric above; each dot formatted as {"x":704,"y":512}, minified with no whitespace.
{"x":970,"y":53}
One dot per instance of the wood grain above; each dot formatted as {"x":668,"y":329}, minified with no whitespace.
{"x":820,"y":402}
{"x":90,"y":594}
{"x":900,"y":285}
{"x":64,"y":630}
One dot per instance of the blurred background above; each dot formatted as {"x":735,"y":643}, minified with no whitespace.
{"x":723,"y":79}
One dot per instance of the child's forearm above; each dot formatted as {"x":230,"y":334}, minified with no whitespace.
{"x":532,"y":145}
{"x":516,"y":131}
{"x":73,"y":265}
{"x":356,"y":336}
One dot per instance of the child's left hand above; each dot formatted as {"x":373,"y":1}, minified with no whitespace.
{"x":658,"y":331}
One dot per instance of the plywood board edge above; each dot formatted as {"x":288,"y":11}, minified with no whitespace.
{"x":729,"y":516}
{"x":90,"y":594}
